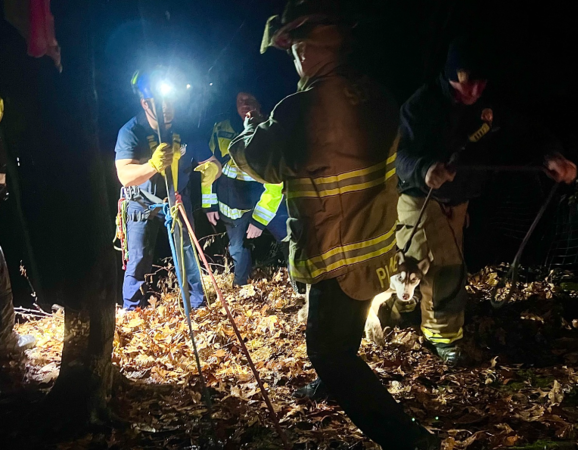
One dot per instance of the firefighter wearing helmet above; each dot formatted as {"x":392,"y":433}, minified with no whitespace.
{"x":140,"y":164}
{"x":333,"y":145}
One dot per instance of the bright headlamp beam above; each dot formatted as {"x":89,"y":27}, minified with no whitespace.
{"x":165,"y":88}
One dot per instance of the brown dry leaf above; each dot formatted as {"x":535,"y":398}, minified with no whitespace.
{"x":556,"y":395}
{"x":510,"y":441}
{"x":152,"y":347}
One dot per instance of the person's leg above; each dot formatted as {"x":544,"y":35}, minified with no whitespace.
{"x":443,"y":287}
{"x":141,"y":236}
{"x":10,"y":341}
{"x":7,"y":337}
{"x":334,"y":331}
{"x":241,"y":254}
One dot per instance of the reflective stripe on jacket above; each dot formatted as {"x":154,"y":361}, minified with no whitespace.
{"x":334,"y":146}
{"x":236,"y":193}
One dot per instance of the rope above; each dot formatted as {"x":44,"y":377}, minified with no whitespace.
{"x":225,"y":305}
{"x":172,"y":221}
{"x":121,"y":230}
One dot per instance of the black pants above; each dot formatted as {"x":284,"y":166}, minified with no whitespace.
{"x":334,"y":331}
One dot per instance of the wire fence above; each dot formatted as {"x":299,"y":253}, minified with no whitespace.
{"x":561,"y":238}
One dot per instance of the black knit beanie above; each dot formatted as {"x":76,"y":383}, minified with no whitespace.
{"x":470,"y":55}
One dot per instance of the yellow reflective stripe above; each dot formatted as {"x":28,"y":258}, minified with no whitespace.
{"x":314,"y":273}
{"x":310,"y":182}
{"x":343,"y":190}
{"x":318,"y":265}
{"x":232,"y":213}
{"x":312,"y":188}
{"x":442,"y":338}
{"x":234,"y":172}
{"x":263,"y":216}
{"x":356,"y":246}
{"x":348,"y":175}
{"x":268,"y":203}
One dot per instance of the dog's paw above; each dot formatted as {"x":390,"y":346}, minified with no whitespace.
{"x":373,"y":330}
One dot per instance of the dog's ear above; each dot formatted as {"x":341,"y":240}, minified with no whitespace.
{"x":400,"y":257}
{"x":424,"y":265}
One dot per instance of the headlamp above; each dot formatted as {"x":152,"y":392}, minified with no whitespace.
{"x":165,"y":88}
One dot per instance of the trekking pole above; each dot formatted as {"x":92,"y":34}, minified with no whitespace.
{"x":244,"y":349}
{"x":513,"y":272}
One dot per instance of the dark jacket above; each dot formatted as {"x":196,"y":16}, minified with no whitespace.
{"x":435,"y":128}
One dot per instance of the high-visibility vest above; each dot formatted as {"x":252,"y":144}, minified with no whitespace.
{"x":235,"y":193}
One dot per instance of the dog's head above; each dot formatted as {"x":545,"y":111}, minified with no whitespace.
{"x":410,"y":273}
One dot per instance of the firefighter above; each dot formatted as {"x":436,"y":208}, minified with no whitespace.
{"x":140,"y":165}
{"x":333,"y":145}
{"x":448,"y":123}
{"x":11,"y":343}
{"x":245,"y":206}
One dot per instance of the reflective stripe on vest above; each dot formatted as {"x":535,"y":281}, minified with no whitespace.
{"x":232,"y":213}
{"x":356,"y":180}
{"x":232,"y":171}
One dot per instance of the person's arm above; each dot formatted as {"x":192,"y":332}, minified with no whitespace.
{"x":132,"y":173}
{"x":265,"y":209}
{"x":209,"y":198}
{"x":260,"y":150}
{"x":417,"y":162}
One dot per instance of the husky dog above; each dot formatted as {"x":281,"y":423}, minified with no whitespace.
{"x":402,"y":284}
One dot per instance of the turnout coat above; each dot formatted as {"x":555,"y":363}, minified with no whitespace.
{"x":333,"y":145}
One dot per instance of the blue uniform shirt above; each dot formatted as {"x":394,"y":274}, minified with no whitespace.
{"x":137,"y":140}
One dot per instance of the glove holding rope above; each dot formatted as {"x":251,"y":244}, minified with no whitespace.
{"x":162,"y":158}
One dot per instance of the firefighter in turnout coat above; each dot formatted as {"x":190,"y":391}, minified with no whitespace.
{"x":333,"y":145}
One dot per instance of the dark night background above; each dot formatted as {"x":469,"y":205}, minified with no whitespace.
{"x":402,"y":43}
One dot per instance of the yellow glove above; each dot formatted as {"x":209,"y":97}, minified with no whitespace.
{"x":175,"y":164}
{"x":209,"y":173}
{"x":162,"y":158}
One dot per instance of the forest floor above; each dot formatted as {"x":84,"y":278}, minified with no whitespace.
{"x":520,"y":393}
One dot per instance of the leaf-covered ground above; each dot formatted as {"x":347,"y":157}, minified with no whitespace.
{"x":521,"y":391}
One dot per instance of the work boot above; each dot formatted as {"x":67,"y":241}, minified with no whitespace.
{"x":428,"y":442}
{"x":316,"y":391}
{"x":452,"y":354}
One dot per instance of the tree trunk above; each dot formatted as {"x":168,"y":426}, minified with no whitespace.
{"x":83,"y":387}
